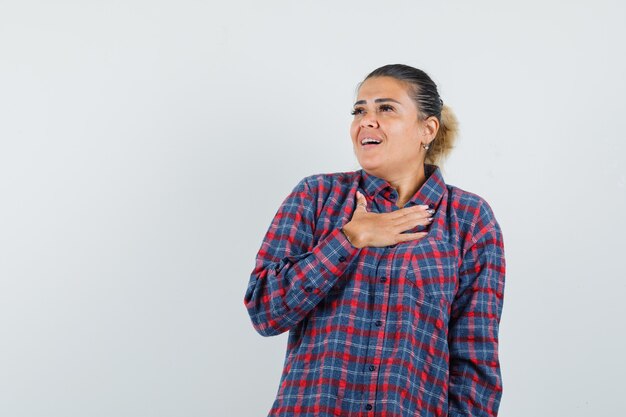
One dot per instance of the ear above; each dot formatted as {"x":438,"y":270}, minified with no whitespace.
{"x":430,"y":127}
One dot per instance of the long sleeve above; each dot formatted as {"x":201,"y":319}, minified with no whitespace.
{"x":292,"y":271}
{"x":475,"y":385}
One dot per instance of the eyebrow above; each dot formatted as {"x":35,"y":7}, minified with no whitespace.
{"x":378,"y":100}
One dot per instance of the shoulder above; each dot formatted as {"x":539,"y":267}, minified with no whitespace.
{"x":475,"y":216}
{"x":470,"y":205}
{"x":330,"y":182}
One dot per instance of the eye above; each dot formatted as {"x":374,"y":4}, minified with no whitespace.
{"x":382,"y":107}
{"x":356,"y":111}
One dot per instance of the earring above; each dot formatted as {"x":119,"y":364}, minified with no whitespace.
{"x":426,"y":146}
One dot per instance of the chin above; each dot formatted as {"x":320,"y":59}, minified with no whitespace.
{"x":374,"y":169}
{"x":369,"y":164}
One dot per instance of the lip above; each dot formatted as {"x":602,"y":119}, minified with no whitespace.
{"x":368,"y":135}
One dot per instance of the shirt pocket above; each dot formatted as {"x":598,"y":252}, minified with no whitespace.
{"x":432,"y":270}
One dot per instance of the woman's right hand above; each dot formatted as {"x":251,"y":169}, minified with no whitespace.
{"x":384,"y":229}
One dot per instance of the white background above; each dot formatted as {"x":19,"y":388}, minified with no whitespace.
{"x":146,"y":145}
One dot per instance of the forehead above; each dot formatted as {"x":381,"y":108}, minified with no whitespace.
{"x":383,"y":87}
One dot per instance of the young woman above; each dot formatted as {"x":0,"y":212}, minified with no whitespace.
{"x":389,"y":281}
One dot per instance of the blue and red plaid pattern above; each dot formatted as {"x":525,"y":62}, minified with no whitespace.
{"x":405,"y":330}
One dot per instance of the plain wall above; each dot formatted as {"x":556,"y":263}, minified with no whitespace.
{"x":146,"y":145}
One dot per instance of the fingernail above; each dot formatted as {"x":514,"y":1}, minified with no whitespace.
{"x":424,"y":206}
{"x":431,"y":211}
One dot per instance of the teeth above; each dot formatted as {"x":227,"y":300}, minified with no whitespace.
{"x":369,"y":140}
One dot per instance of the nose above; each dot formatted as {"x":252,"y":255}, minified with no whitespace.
{"x":369,"y":120}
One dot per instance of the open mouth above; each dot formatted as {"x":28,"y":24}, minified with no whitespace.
{"x":370,"y":142}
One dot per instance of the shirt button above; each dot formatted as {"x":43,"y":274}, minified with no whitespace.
{"x":379,"y":323}
{"x":368,"y":407}
{"x":372,"y":367}
{"x":308,"y":289}
{"x":383,"y":279}
{"x":342,"y":258}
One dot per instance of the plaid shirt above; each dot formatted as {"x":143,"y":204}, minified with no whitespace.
{"x":403,"y":330}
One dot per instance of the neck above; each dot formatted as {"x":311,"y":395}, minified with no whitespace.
{"x":406,"y":184}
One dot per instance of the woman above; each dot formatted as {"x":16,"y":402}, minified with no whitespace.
{"x":389,"y":280}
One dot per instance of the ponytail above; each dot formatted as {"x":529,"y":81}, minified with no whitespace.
{"x":445,"y":139}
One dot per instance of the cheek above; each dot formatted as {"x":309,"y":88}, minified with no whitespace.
{"x":354,"y":130}
{"x":408,"y":133}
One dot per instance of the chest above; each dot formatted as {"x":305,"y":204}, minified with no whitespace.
{"x":426,"y":267}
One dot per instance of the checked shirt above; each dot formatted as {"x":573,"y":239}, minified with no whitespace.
{"x":405,"y":330}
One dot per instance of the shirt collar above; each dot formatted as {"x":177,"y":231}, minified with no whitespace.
{"x":429,"y":193}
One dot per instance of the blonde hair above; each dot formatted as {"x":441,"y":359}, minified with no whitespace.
{"x":444,"y":141}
